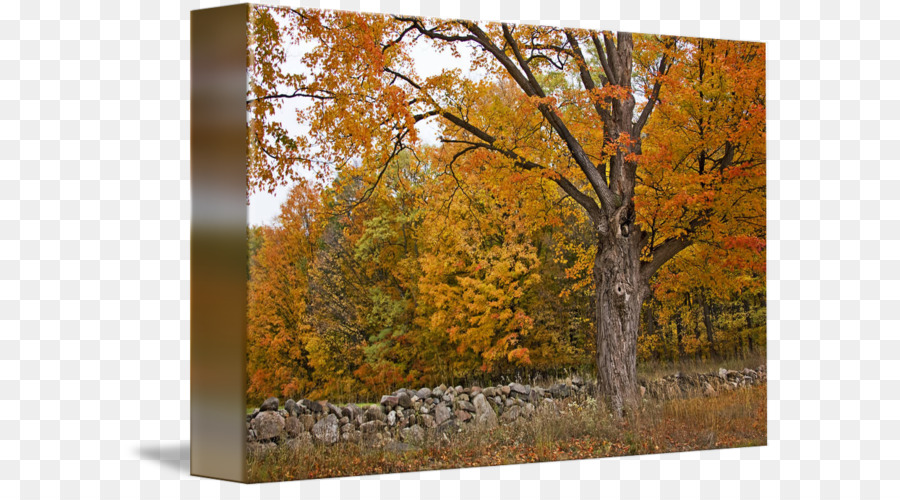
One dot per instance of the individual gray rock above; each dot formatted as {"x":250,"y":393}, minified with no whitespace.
{"x":389,"y":401}
{"x":441,"y":414}
{"x":374,"y":440}
{"x":293,"y":427}
{"x":267,"y":425}
{"x":326,"y":431}
{"x":334,"y":410}
{"x":351,"y":411}
{"x":484,"y":414}
{"x":518,"y":388}
{"x":292,"y":408}
{"x":511,"y":413}
{"x":308,"y":422}
{"x":372,"y":427}
{"x":560,"y":391}
{"x":312,"y":406}
{"x":463,"y":416}
{"x":270,"y":404}
{"x":466,"y":405}
{"x":375,"y":412}
{"x":392,"y":418}
{"x":414,"y":434}
{"x":404,"y":400}
{"x":427,"y":421}
{"x":424,"y":393}
{"x":528,"y":410}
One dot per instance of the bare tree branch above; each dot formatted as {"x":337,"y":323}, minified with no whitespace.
{"x":654,"y":97}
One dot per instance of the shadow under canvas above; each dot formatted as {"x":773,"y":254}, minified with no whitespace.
{"x":173,"y":457}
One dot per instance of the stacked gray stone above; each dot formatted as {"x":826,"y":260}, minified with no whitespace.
{"x":411,"y":416}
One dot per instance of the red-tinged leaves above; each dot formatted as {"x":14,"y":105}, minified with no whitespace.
{"x":412,"y":263}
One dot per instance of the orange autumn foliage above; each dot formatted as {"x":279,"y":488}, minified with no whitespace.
{"x":401,"y":263}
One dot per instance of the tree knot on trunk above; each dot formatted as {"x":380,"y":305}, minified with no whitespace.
{"x":623,"y":290}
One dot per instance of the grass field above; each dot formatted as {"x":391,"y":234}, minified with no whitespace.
{"x":651,"y":370}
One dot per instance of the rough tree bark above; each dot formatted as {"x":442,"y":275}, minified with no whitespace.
{"x":619,"y":293}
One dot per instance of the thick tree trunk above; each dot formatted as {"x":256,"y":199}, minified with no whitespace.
{"x":619,"y":293}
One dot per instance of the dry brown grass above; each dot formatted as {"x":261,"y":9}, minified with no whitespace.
{"x":573,"y":430}
{"x":651,"y":370}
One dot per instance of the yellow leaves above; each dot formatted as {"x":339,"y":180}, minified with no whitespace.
{"x":468,"y":246}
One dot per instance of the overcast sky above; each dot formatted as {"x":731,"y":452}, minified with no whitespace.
{"x":264,"y":207}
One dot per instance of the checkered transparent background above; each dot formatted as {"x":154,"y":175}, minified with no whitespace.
{"x":94,"y":258}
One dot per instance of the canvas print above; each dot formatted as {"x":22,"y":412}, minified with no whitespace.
{"x":474,"y":243}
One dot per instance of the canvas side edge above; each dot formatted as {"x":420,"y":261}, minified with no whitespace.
{"x":218,"y":241}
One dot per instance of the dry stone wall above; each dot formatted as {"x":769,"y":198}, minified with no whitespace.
{"x":405,"y":417}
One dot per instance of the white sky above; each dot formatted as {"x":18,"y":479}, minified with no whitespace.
{"x":264,"y":207}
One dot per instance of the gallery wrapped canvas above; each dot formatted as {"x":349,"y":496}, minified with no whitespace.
{"x":451,"y":243}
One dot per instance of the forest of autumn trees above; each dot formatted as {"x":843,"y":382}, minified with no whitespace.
{"x":592,"y":199}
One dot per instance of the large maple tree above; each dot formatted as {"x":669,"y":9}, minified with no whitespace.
{"x":658,"y":141}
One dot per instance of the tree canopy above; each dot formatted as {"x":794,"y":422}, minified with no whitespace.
{"x":571,"y":168}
